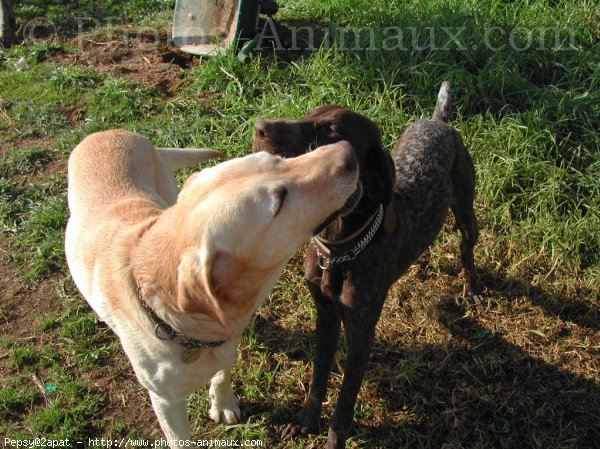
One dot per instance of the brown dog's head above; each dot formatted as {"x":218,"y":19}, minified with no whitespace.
{"x":328,"y":124}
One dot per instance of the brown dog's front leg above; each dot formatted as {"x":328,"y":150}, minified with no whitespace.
{"x":328,"y":332}
{"x":359,"y":327}
{"x":341,"y":421}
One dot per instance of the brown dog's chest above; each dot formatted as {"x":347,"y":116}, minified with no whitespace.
{"x":332,"y":283}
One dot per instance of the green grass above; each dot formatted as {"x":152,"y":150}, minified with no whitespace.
{"x":442,"y":374}
{"x":67,"y":16}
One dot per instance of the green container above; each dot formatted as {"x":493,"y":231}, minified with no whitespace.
{"x":205,"y":27}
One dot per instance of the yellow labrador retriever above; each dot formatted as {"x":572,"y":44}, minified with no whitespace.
{"x":177,"y":276}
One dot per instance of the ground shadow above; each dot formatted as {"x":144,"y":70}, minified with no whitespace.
{"x":568,"y":309}
{"x":476,"y":390}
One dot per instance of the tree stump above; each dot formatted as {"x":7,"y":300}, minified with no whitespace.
{"x":8,"y":23}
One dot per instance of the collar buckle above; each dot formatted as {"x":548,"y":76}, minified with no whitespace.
{"x":163,"y":331}
{"x":323,"y":262}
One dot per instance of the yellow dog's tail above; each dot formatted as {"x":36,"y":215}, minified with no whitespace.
{"x":175,"y":158}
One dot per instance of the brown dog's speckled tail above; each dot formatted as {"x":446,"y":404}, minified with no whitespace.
{"x":443,"y":106}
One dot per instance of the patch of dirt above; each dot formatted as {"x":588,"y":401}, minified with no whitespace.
{"x":22,"y":308}
{"x":126,"y":400}
{"x":30,"y":143}
{"x":20,"y":312}
{"x":146,"y":58}
{"x":152,"y":62}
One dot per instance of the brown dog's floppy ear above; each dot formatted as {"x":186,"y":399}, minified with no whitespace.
{"x":386,"y":167}
{"x":380,"y":162}
{"x":196,"y":289}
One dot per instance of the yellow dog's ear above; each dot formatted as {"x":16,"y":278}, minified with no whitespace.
{"x":199,"y":282}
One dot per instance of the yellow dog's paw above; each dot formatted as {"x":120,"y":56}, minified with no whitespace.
{"x":228,"y":412}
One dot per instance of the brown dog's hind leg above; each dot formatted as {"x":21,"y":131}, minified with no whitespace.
{"x":463,"y":182}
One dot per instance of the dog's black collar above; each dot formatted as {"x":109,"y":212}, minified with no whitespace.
{"x":326,"y":223}
{"x":325,"y":257}
{"x":165,"y":331}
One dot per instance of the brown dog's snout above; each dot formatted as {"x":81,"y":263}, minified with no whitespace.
{"x":286,"y":138}
{"x":266,"y":135}
{"x":261,"y":129}
{"x":270,"y":129}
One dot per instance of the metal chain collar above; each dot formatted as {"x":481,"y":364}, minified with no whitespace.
{"x":165,"y":331}
{"x":324,"y":258}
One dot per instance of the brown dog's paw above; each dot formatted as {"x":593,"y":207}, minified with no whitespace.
{"x":304,"y":423}
{"x":477,"y":300}
{"x":336,"y":440}
{"x":473,"y":294}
